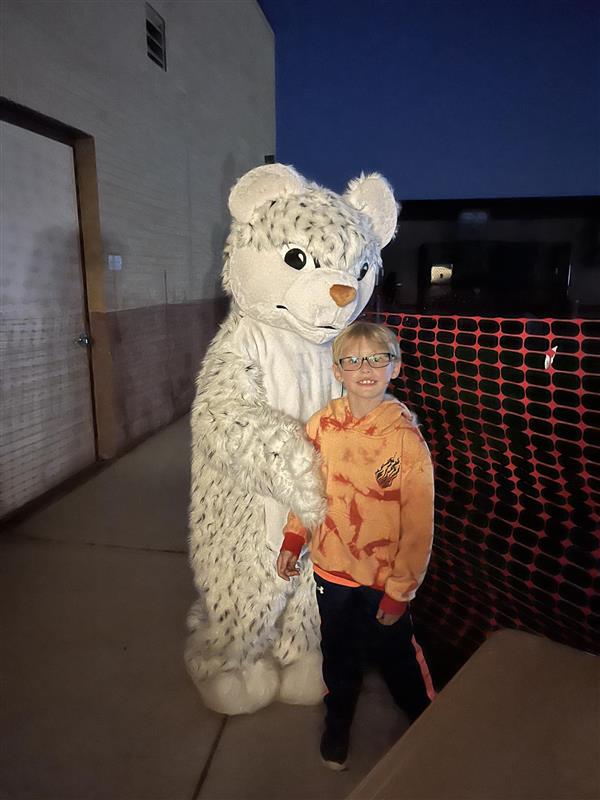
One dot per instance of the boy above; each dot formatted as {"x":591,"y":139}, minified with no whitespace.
{"x":371,"y":553}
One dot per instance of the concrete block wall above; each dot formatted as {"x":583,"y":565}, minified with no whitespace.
{"x":168,"y":146}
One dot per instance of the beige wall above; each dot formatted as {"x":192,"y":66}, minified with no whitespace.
{"x":168,"y":146}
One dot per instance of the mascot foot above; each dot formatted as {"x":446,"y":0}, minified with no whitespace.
{"x":239,"y":691}
{"x":302,"y":682}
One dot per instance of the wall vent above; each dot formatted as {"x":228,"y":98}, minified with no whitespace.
{"x":155,"y":37}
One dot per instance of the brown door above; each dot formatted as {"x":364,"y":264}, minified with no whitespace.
{"x":46,"y":413}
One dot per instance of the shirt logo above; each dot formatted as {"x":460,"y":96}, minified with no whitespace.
{"x":387,"y":472}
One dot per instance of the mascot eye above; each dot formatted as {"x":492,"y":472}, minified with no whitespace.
{"x":295,"y":258}
{"x":363,"y":271}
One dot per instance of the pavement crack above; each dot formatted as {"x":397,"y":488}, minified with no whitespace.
{"x":211,"y":755}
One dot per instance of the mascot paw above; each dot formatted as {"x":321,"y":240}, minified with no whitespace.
{"x":302,"y":682}
{"x":240,"y":691}
{"x":300,"y":457}
{"x":311,"y":508}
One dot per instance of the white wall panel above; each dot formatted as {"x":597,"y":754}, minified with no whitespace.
{"x":168,"y":144}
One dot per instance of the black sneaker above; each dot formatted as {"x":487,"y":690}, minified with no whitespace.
{"x":334,"y":749}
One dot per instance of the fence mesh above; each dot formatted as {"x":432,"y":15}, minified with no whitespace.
{"x":511,"y":411}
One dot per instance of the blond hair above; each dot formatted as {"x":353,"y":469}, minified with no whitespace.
{"x":375,"y":334}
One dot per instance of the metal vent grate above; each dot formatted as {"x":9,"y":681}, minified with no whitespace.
{"x":155,"y":37}
{"x":511,"y":411}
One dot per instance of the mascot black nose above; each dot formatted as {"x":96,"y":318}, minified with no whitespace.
{"x":341,"y":294}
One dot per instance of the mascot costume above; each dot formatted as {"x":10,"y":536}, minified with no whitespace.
{"x":300,"y":264}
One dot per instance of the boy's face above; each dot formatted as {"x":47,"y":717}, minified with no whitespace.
{"x":367,"y":382}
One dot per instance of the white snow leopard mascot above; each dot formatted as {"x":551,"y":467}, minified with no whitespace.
{"x":300,"y":264}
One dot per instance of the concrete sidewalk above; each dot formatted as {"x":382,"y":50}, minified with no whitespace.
{"x":96,"y":702}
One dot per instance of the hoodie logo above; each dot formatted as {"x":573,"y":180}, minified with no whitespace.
{"x":387,"y":472}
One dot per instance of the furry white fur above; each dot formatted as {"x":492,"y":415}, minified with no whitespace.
{"x":300,"y":264}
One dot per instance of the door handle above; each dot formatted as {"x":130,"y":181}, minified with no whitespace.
{"x":83,"y":340}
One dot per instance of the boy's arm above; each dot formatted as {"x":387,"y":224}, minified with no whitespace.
{"x":416,"y":511}
{"x":295,"y":535}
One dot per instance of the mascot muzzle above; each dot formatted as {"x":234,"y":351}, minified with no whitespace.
{"x":327,"y":300}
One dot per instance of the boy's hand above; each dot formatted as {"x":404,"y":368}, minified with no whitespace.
{"x":390,"y":610}
{"x":387,"y":619}
{"x":287,"y":565}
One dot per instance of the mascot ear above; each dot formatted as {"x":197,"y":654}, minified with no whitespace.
{"x":261,"y":185}
{"x":373,"y":195}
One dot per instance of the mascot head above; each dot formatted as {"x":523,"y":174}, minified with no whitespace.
{"x":301,"y":257}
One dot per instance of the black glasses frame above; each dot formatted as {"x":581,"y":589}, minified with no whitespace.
{"x":344,"y":362}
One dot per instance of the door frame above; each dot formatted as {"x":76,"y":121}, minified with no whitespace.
{"x":92,"y":265}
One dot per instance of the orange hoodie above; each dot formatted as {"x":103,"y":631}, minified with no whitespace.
{"x":378,"y":529}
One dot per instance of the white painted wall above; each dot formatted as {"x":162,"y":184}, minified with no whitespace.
{"x":170,"y":144}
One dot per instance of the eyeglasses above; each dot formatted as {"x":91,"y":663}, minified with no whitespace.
{"x":377,"y":360}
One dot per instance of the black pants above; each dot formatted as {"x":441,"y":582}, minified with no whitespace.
{"x":352,"y":640}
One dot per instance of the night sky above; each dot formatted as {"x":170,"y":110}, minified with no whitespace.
{"x":446,"y":98}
